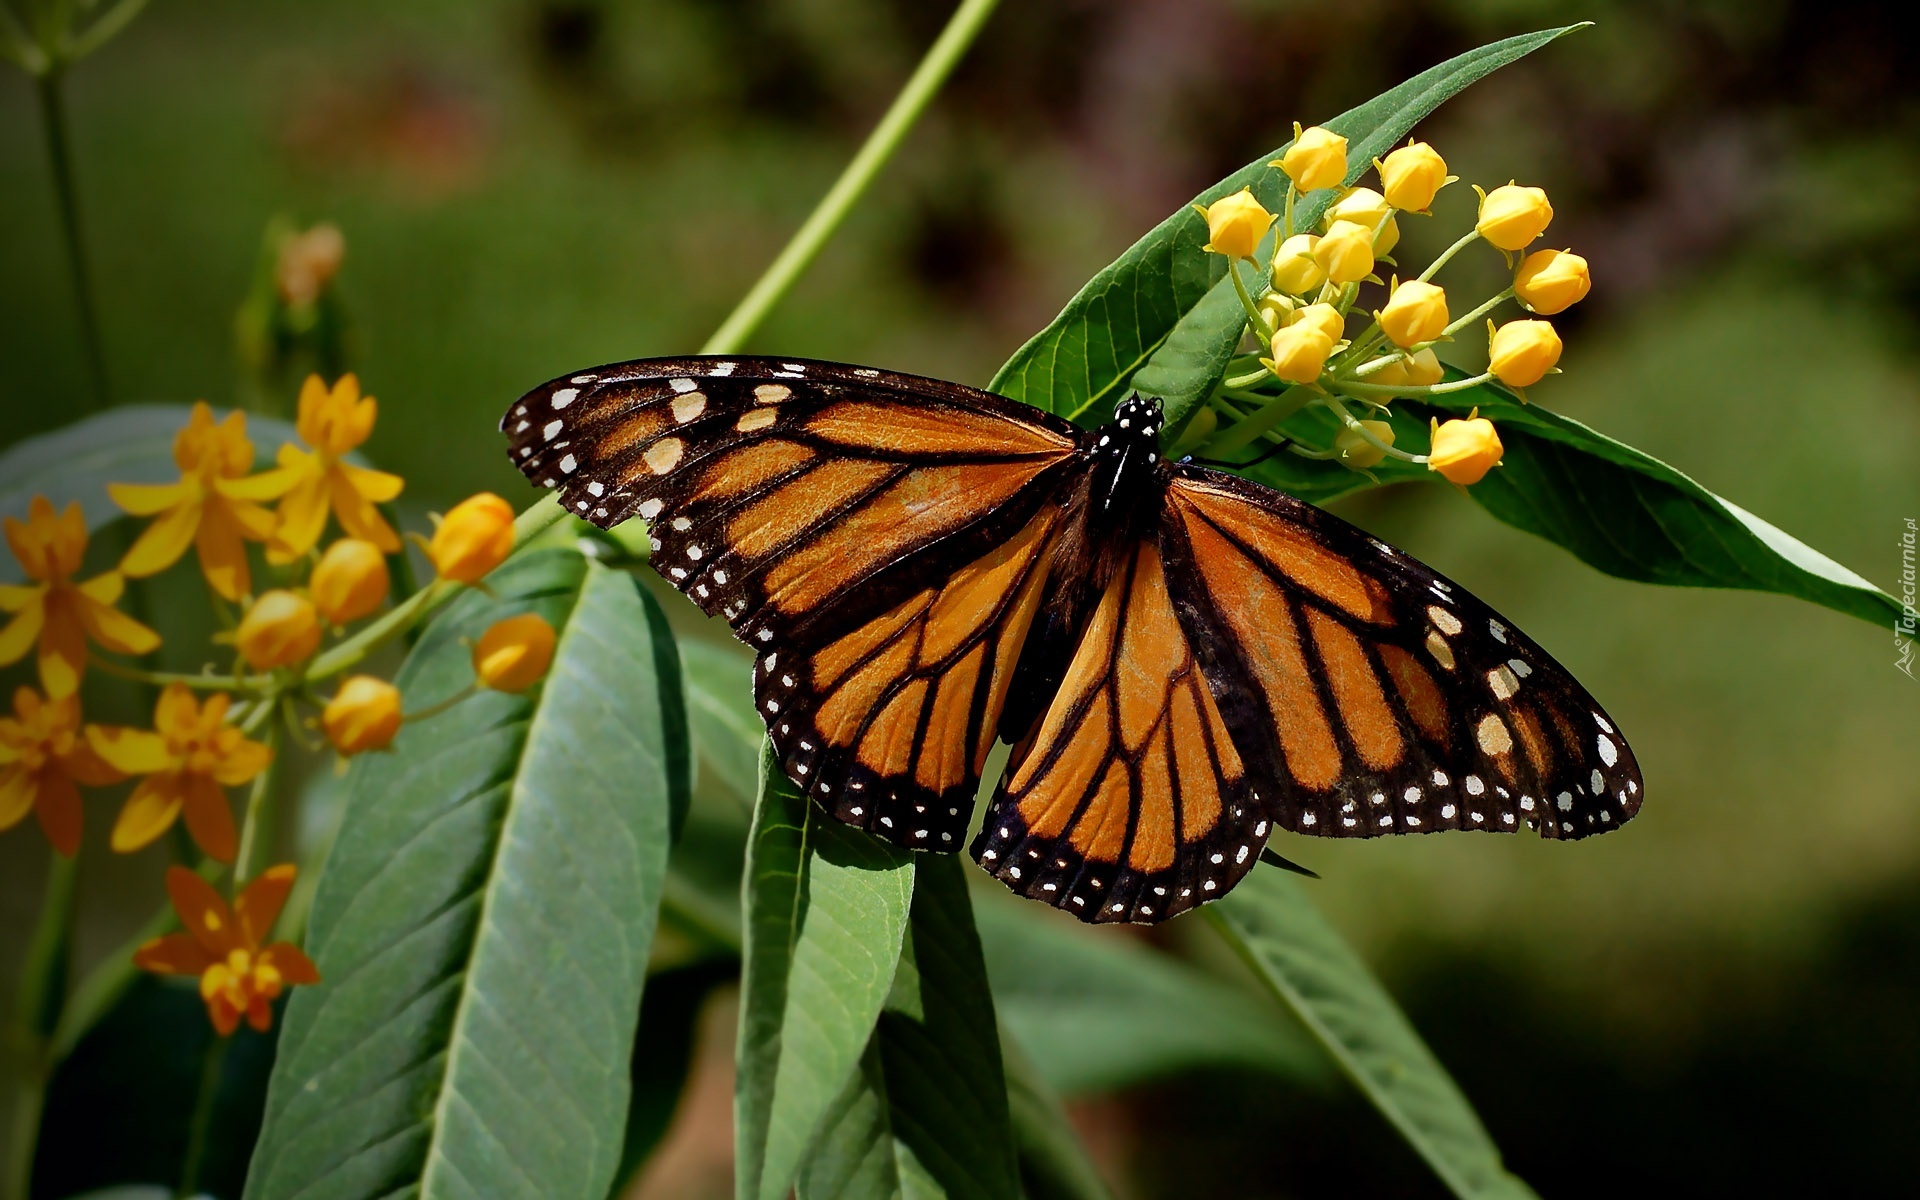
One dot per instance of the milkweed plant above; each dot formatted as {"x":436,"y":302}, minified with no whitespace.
{"x":481,"y":978}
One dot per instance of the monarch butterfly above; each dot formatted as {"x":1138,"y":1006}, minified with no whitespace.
{"x":1181,"y":659}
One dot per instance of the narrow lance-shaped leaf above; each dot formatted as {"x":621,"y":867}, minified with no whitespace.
{"x":1168,"y":300}
{"x":825,"y":912}
{"x":485,"y":918}
{"x":1631,"y":515}
{"x":1054,"y":1165}
{"x":925,"y":1114}
{"x":1096,"y":1012}
{"x":1290,"y":946}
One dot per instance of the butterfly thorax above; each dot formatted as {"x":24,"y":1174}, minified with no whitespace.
{"x":1128,"y":475}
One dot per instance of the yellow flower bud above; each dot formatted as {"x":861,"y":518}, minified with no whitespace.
{"x":1235,"y":224}
{"x":514,"y":653}
{"x":1550,"y":281}
{"x":1346,"y":252}
{"x":1299,"y":351}
{"x":282,"y":628}
{"x":1394,"y":374}
{"x":1324,"y":317}
{"x":1317,"y":158}
{"x":1276,"y":309}
{"x":363,"y":715}
{"x":1415,"y":313}
{"x":1424,"y":369}
{"x":1294,"y":269}
{"x":1357,"y":452}
{"x":349,"y":581}
{"x":1364,"y":206}
{"x":473,"y":539}
{"x":1522,"y":352}
{"x":1464,"y":451}
{"x":1511,"y":216}
{"x":1412,"y":175}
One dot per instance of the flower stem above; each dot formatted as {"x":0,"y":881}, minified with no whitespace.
{"x":43,"y":987}
{"x":1259,"y":323}
{"x":202,"y":1122}
{"x":880,"y":145}
{"x":1476,"y":314}
{"x":401,"y":617}
{"x":53,"y":119}
{"x":1433,"y":268}
{"x":256,"y":827}
{"x":1244,"y":433}
{"x":1347,"y":419}
{"x":1391,"y":391}
{"x":217,"y":683}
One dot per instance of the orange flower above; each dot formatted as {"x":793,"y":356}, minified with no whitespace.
{"x":57,"y":612}
{"x":213,"y":507}
{"x":318,"y":481}
{"x":223,"y":947}
{"x":188,"y":759}
{"x":43,"y":754}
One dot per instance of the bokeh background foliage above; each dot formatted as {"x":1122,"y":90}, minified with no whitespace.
{"x":530,"y":188}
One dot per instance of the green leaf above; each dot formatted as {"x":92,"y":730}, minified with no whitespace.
{"x":133,"y":444}
{"x":826,"y":910}
{"x":925,"y":1114}
{"x":726,"y":731}
{"x":1290,"y":946}
{"x":484,"y":919}
{"x":1053,"y":1163}
{"x":1168,"y":301}
{"x":120,"y":1104}
{"x":1097,"y":1012}
{"x":1631,"y":515}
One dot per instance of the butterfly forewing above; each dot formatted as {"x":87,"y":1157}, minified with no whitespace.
{"x":1378,"y":696}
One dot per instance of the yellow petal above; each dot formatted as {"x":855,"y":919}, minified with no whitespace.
{"x":58,"y":807}
{"x":361,"y":519}
{"x":174,"y":954}
{"x":105,"y":588}
{"x":26,"y":541}
{"x":377,"y":486}
{"x":16,"y":596}
{"x":260,"y":903}
{"x":85,"y":766}
{"x":268,"y":485}
{"x":203,"y":912}
{"x":242,"y":762}
{"x":146,"y":499}
{"x":254,"y":522}
{"x":21,"y":632}
{"x":16,"y":795}
{"x":69,"y":539}
{"x":114,"y":629}
{"x":303,"y":515}
{"x":176,"y":714}
{"x":313,"y":401}
{"x":210,"y":818}
{"x":223,"y":555}
{"x":130,"y":751}
{"x":162,"y":543}
{"x":149,"y":812}
{"x":63,"y":647}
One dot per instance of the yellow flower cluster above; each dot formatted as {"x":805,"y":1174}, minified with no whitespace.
{"x":1313,"y":279}
{"x":213,"y":732}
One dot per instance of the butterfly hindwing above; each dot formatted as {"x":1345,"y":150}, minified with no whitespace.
{"x":1128,"y":801}
{"x":1379,"y":697}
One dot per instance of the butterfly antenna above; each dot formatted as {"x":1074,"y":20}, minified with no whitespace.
{"x":1286,"y":864}
{"x":1276,"y":448}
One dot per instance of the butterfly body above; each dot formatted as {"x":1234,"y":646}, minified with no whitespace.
{"x":1182,"y":659}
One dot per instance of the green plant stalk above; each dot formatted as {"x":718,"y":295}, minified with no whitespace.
{"x":1433,"y":268}
{"x":859,"y":174}
{"x":53,"y":119}
{"x":43,"y":980}
{"x":1260,"y":327}
{"x":1475,"y":315}
{"x":1244,"y":433}
{"x":202,"y":1122}
{"x":256,"y":828}
{"x":826,"y":217}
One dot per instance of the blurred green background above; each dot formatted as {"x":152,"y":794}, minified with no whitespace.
{"x":1724,"y":997}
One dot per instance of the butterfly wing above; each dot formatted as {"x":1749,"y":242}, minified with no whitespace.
{"x":1375,"y":695}
{"x":1128,"y":801}
{"x":881,"y":540}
